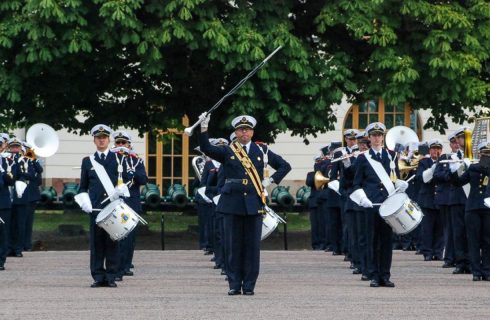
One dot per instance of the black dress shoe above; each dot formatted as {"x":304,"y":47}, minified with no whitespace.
{"x":346,"y":258}
{"x":223,"y":272}
{"x":208,"y":252}
{"x":213,"y":259}
{"x":356,"y":271}
{"x":418,"y":251}
{"x":112,"y":284}
{"x":118,"y":279}
{"x":215,"y":267}
{"x":129,"y":273}
{"x":437,"y":258}
{"x":365,"y":278}
{"x":374,"y":284}
{"x":459,"y":270}
{"x":98,"y":284}
{"x":476,"y":278}
{"x":485,"y":278}
{"x":2,"y":268}
{"x":448,"y":265}
{"x":386,"y":283}
{"x":234,"y":292}
{"x":427,"y":258}
{"x":336,"y":253}
{"x":19,"y":255}
{"x":248,"y":293}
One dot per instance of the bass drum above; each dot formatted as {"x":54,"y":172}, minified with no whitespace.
{"x":401,"y":213}
{"x":270,"y":220}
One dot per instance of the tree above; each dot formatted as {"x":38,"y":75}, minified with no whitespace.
{"x":146,"y":63}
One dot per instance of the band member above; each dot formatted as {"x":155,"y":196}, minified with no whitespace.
{"x":376,"y":177}
{"x":23,"y":174}
{"x":323,"y":164}
{"x":432,"y":223}
{"x":33,"y":194}
{"x":477,"y":215}
{"x":206,"y":207}
{"x":133,"y":171}
{"x":242,"y":199}
{"x":6,"y":180}
{"x":457,"y":203}
{"x":317,"y":227}
{"x":104,"y":259}
{"x":442,"y":199}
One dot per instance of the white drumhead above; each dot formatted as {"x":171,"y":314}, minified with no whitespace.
{"x":107,"y":210}
{"x":392,"y":204}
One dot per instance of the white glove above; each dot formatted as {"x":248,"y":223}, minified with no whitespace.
{"x":454,"y":166}
{"x":86,"y":207}
{"x":401,"y":185}
{"x":346,"y":163}
{"x":267,"y":182}
{"x":486,"y":202}
{"x":428,"y":174}
{"x":122,"y":190}
{"x":366,"y":203}
{"x":205,"y":118}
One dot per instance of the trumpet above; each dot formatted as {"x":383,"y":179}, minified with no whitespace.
{"x":347,"y":156}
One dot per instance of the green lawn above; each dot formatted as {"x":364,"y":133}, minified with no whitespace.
{"x":174,"y":221}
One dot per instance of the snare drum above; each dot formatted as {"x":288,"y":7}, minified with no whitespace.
{"x":269,"y":222}
{"x":401,"y":213}
{"x":117,"y":219}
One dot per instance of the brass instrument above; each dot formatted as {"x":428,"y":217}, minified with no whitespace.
{"x":320,"y":180}
{"x":43,"y":139}
{"x":29,"y":154}
{"x":404,"y":136}
{"x":407,"y":164}
{"x":198,"y":163}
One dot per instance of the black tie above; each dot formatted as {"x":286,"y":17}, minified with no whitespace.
{"x":245,"y":148}
{"x":102,"y":156}
{"x":378,"y":156}
{"x":459,"y":155}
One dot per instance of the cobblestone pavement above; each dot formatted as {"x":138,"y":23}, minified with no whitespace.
{"x":183,"y":285}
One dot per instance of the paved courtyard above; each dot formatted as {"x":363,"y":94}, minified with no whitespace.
{"x":183,"y":285}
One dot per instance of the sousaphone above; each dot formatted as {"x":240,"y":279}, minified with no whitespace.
{"x":43,"y":139}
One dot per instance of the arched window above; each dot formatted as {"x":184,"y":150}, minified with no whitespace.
{"x":360,"y":115}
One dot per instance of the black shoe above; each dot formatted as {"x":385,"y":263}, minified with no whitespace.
{"x":387,"y":283}
{"x":437,"y":258}
{"x":485,"y":278}
{"x":356,"y":271}
{"x":98,"y":284}
{"x":2,"y":268}
{"x":208,"y":252}
{"x":248,"y":293}
{"x":459,"y":270}
{"x":352,"y":266}
{"x":223,"y":272}
{"x":215,"y":267}
{"x":226,"y":278}
{"x":234,"y":292}
{"x":118,"y":279}
{"x":476,"y":278}
{"x":448,"y":265}
{"x":129,"y":273}
{"x":418,"y":251}
{"x":336,"y":253}
{"x":365,"y":278}
{"x":112,"y":284}
{"x":427,"y":258}
{"x":213,"y":259}
{"x":19,"y":255}
{"x":374,"y":284}
{"x":346,"y":258}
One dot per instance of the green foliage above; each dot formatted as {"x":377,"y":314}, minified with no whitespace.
{"x":146,"y":63}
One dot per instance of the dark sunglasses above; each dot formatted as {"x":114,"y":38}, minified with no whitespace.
{"x":121,"y":142}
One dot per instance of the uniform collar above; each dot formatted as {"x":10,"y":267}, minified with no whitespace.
{"x":106,"y":152}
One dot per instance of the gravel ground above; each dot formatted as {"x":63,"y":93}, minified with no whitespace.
{"x":183,"y":285}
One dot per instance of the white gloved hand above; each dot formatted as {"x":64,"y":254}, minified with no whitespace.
{"x":122,"y":190}
{"x":267,"y":182}
{"x":205,"y":118}
{"x":86,"y":207}
{"x":346,"y":163}
{"x":486,"y":202}
{"x":401,"y":185}
{"x":366,"y":203}
{"x":454,"y":166}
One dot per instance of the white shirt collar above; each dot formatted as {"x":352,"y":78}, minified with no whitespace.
{"x":106,"y":152}
{"x":247,"y":146}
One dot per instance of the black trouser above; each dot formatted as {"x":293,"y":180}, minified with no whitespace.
{"x":104,"y":255}
{"x":209,"y":226}
{"x":18,"y":228}
{"x":317,"y":231}
{"x":361,"y":221}
{"x":334,"y":229}
{"x":201,"y":226}
{"x":218,"y":240}
{"x":31,"y":208}
{"x":126,"y":252}
{"x":432,"y":233}
{"x":242,"y":237}
{"x":459,"y":236}
{"x":478,"y":231}
{"x":4,"y":235}
{"x":379,"y":246}
{"x":353,"y":240}
{"x":448,"y":234}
